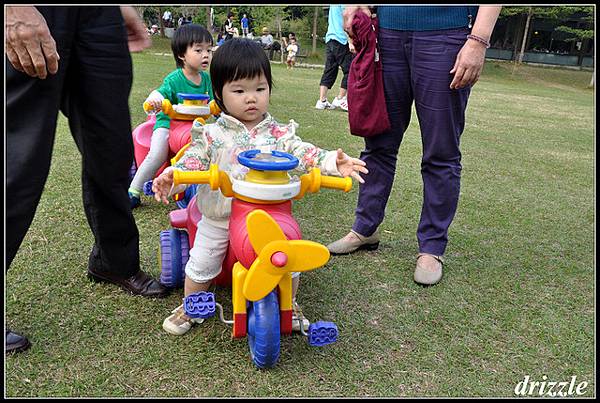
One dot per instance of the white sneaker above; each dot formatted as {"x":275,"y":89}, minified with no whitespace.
{"x":341,"y":103}
{"x":323,"y":104}
{"x":178,"y":323}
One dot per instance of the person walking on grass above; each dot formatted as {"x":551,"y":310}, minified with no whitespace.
{"x":339,"y":52}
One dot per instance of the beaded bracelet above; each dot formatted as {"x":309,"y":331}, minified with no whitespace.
{"x":479,"y":39}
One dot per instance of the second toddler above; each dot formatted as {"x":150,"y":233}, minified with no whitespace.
{"x":192,"y":49}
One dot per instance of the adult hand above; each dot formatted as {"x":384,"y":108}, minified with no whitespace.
{"x":161,"y":186}
{"x":137,"y":33}
{"x":351,"y":47}
{"x":468,"y":65}
{"x":349,"y":166}
{"x":29,"y":46}
{"x":349,"y":13}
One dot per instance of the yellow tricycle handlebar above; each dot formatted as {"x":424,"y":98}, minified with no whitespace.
{"x":214,"y":177}
{"x":332,"y":182}
{"x":311,"y":182}
{"x":167,"y":109}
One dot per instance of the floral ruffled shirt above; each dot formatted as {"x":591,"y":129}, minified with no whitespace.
{"x":221,"y":142}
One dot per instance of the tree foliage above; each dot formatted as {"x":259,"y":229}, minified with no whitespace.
{"x":546,"y":12}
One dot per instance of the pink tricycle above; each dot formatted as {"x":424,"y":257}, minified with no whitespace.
{"x":191,"y":107}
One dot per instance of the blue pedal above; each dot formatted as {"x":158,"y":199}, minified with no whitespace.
{"x":322,"y":333}
{"x":147,"y":188}
{"x":200,"y":305}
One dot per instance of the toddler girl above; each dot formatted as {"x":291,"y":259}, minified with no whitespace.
{"x":242,"y":84}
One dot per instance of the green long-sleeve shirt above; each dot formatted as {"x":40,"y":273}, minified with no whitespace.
{"x":176,"y":82}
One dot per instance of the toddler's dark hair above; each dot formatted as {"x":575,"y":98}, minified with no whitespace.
{"x":187,"y":35}
{"x":236,"y":59}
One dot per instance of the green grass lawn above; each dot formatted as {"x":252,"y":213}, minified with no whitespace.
{"x":517,"y":297}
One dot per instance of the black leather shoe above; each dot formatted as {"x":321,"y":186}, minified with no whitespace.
{"x":138,"y":284}
{"x":15,"y":343}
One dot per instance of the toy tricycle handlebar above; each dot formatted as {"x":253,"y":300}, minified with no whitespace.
{"x":332,"y":182}
{"x":313,"y":181}
{"x":167,"y":109}
{"x":217,"y":179}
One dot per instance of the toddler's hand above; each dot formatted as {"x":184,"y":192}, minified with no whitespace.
{"x":349,"y":166}
{"x":156,"y":104}
{"x":155,"y":100}
{"x":161,"y":186}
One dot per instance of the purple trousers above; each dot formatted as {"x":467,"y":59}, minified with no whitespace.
{"x":416,"y":67}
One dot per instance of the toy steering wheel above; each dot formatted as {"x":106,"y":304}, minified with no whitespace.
{"x":193,"y":97}
{"x":273,"y":161}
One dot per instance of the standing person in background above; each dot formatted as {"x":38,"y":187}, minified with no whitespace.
{"x":76,"y":60}
{"x":228,"y":27}
{"x":245,"y":25}
{"x":167,"y":19}
{"x":431,"y":56}
{"x":338,"y":53}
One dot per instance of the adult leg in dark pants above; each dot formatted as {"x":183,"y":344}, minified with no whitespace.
{"x":416,"y":68}
{"x":91,"y":87}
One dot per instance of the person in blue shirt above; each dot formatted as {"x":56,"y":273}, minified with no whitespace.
{"x":245,"y":25}
{"x":339,"y":52}
{"x":431,"y":56}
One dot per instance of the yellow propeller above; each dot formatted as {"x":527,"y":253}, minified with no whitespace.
{"x":276,"y":255}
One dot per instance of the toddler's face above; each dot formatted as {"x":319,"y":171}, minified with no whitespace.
{"x":198,"y":56}
{"x":247,"y":100}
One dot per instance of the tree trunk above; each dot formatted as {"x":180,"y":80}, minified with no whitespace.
{"x":314,"y":30}
{"x":525,"y":36}
{"x":161,"y":22}
{"x":279,"y":30}
{"x":208,"y":19}
{"x":278,"y":25}
{"x":140,"y":11}
{"x":593,"y":81}
{"x":517,"y":34}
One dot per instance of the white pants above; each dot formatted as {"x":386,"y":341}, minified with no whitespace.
{"x":158,"y":154}
{"x":209,"y":250}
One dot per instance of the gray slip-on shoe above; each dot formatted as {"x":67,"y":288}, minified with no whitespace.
{"x":427,"y":276}
{"x":343,"y":247}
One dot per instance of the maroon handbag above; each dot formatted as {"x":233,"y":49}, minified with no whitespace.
{"x":367,"y":111}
